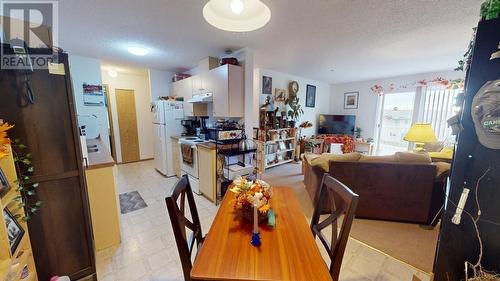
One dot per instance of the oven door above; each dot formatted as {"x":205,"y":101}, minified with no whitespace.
{"x":192,"y":169}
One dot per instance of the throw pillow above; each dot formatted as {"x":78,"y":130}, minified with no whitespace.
{"x":412,"y":157}
{"x":324,"y":160}
{"x":378,"y":159}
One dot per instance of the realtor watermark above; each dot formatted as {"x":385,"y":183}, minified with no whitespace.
{"x":28,"y":25}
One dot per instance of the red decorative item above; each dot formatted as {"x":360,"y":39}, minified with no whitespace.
{"x":233,"y":61}
{"x":346,"y":141}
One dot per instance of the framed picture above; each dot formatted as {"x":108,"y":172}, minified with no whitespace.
{"x":267,"y":85}
{"x":4,"y":184}
{"x":14,"y":231}
{"x":351,"y":100}
{"x":310,"y":96}
{"x":255,"y":133}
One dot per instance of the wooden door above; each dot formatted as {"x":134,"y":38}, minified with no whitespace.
{"x":127,"y":123}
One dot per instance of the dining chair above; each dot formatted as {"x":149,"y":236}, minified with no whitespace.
{"x":180,"y":222}
{"x":344,"y":202}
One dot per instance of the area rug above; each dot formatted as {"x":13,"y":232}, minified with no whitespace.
{"x":131,"y":201}
{"x":406,"y":242}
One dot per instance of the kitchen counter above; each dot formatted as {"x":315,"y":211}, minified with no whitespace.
{"x":207,"y":145}
{"x":100,"y":159}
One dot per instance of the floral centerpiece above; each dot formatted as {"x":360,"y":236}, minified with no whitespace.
{"x":250,"y":193}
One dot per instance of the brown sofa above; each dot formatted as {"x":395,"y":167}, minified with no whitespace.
{"x":405,"y":187}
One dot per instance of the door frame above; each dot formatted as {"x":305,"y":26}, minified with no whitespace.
{"x":110,"y":118}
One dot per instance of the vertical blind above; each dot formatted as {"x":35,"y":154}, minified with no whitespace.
{"x":438,"y":107}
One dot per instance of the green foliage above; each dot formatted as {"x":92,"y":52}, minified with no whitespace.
{"x":24,"y":185}
{"x":490,"y":9}
{"x":358,"y":132}
{"x":295,"y":109}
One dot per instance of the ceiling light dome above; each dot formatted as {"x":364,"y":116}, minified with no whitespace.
{"x":237,"y":15}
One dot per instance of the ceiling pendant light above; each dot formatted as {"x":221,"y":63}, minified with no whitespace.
{"x":237,"y":6}
{"x":236,"y":15}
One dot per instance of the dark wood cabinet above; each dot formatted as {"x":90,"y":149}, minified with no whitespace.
{"x":459,"y":243}
{"x":61,"y":235}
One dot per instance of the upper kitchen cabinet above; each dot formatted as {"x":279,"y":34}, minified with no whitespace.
{"x":184,"y":88}
{"x":226,"y":84}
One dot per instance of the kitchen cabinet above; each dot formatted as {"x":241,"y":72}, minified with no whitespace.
{"x":227,"y":85}
{"x":208,"y":180}
{"x":176,"y":158}
{"x":186,"y":91}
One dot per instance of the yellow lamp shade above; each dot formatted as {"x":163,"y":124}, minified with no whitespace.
{"x":421,"y":133}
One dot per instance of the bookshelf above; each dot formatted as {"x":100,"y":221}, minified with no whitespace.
{"x":12,"y":265}
{"x":277,"y":147}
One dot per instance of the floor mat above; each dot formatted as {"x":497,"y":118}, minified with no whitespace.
{"x":131,"y":201}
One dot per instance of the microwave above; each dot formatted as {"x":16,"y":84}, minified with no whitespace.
{"x":224,"y":135}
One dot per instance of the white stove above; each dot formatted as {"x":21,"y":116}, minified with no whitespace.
{"x":191,"y":169}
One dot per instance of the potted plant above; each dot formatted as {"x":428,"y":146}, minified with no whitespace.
{"x":294,"y":111}
{"x":357,"y":132}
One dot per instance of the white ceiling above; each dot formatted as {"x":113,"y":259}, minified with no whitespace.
{"x":359,"y":39}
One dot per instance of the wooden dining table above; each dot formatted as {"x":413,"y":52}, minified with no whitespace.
{"x":288,"y":251}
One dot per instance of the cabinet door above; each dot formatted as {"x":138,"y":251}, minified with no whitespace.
{"x":236,"y":93}
{"x":206,"y":158}
{"x":176,"y":157}
{"x":218,"y":82}
{"x":186,"y":88}
{"x":197,"y":87}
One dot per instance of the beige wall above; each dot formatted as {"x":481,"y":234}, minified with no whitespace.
{"x":139,"y":82}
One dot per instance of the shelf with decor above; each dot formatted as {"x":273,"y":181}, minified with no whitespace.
{"x":276,"y":147}
{"x":15,"y":246}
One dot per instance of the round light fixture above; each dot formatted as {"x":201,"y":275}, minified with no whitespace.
{"x":137,"y":51}
{"x":237,"y":6}
{"x":112,"y":73}
{"x":236,"y":15}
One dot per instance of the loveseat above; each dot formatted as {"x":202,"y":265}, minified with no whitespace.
{"x":405,"y":187}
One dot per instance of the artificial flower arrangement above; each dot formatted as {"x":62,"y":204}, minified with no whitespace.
{"x":250,"y":193}
{"x":4,"y":140}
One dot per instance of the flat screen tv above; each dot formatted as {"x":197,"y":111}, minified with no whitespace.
{"x":337,"y":124}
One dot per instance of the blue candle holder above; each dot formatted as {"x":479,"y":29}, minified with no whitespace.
{"x":255,"y":239}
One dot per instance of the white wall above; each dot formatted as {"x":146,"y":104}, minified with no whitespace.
{"x":139,"y":82}
{"x":88,"y":70}
{"x":159,"y":83}
{"x":368,"y":103}
{"x":281,"y":80}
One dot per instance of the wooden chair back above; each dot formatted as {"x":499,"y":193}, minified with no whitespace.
{"x":180,"y":222}
{"x":344,"y":203}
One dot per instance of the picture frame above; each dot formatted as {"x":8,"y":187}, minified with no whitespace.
{"x":15,"y":232}
{"x":310,"y":95}
{"x":351,"y":100}
{"x":267,"y":85}
{"x":255,"y":133}
{"x":4,"y":184}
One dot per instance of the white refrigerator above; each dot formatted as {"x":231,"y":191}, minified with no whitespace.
{"x":167,"y":116}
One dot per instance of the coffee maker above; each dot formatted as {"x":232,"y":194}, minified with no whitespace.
{"x":190,"y":126}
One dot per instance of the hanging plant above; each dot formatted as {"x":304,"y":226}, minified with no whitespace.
{"x":24,"y":185}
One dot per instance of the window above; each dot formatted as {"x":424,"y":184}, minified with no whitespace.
{"x":437,"y":109}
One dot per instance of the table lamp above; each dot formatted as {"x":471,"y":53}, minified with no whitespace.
{"x":420,"y":133}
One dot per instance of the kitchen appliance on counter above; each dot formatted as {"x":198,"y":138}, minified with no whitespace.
{"x":225,"y":130}
{"x":167,"y":117}
{"x":189,"y":160}
{"x":190,"y":126}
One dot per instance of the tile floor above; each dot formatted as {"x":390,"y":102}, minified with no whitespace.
{"x":148,"y":251}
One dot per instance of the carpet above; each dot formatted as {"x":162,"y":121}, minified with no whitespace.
{"x":131,"y":201}
{"x":403,"y":241}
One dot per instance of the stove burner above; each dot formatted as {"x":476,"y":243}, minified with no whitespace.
{"x":191,"y":138}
